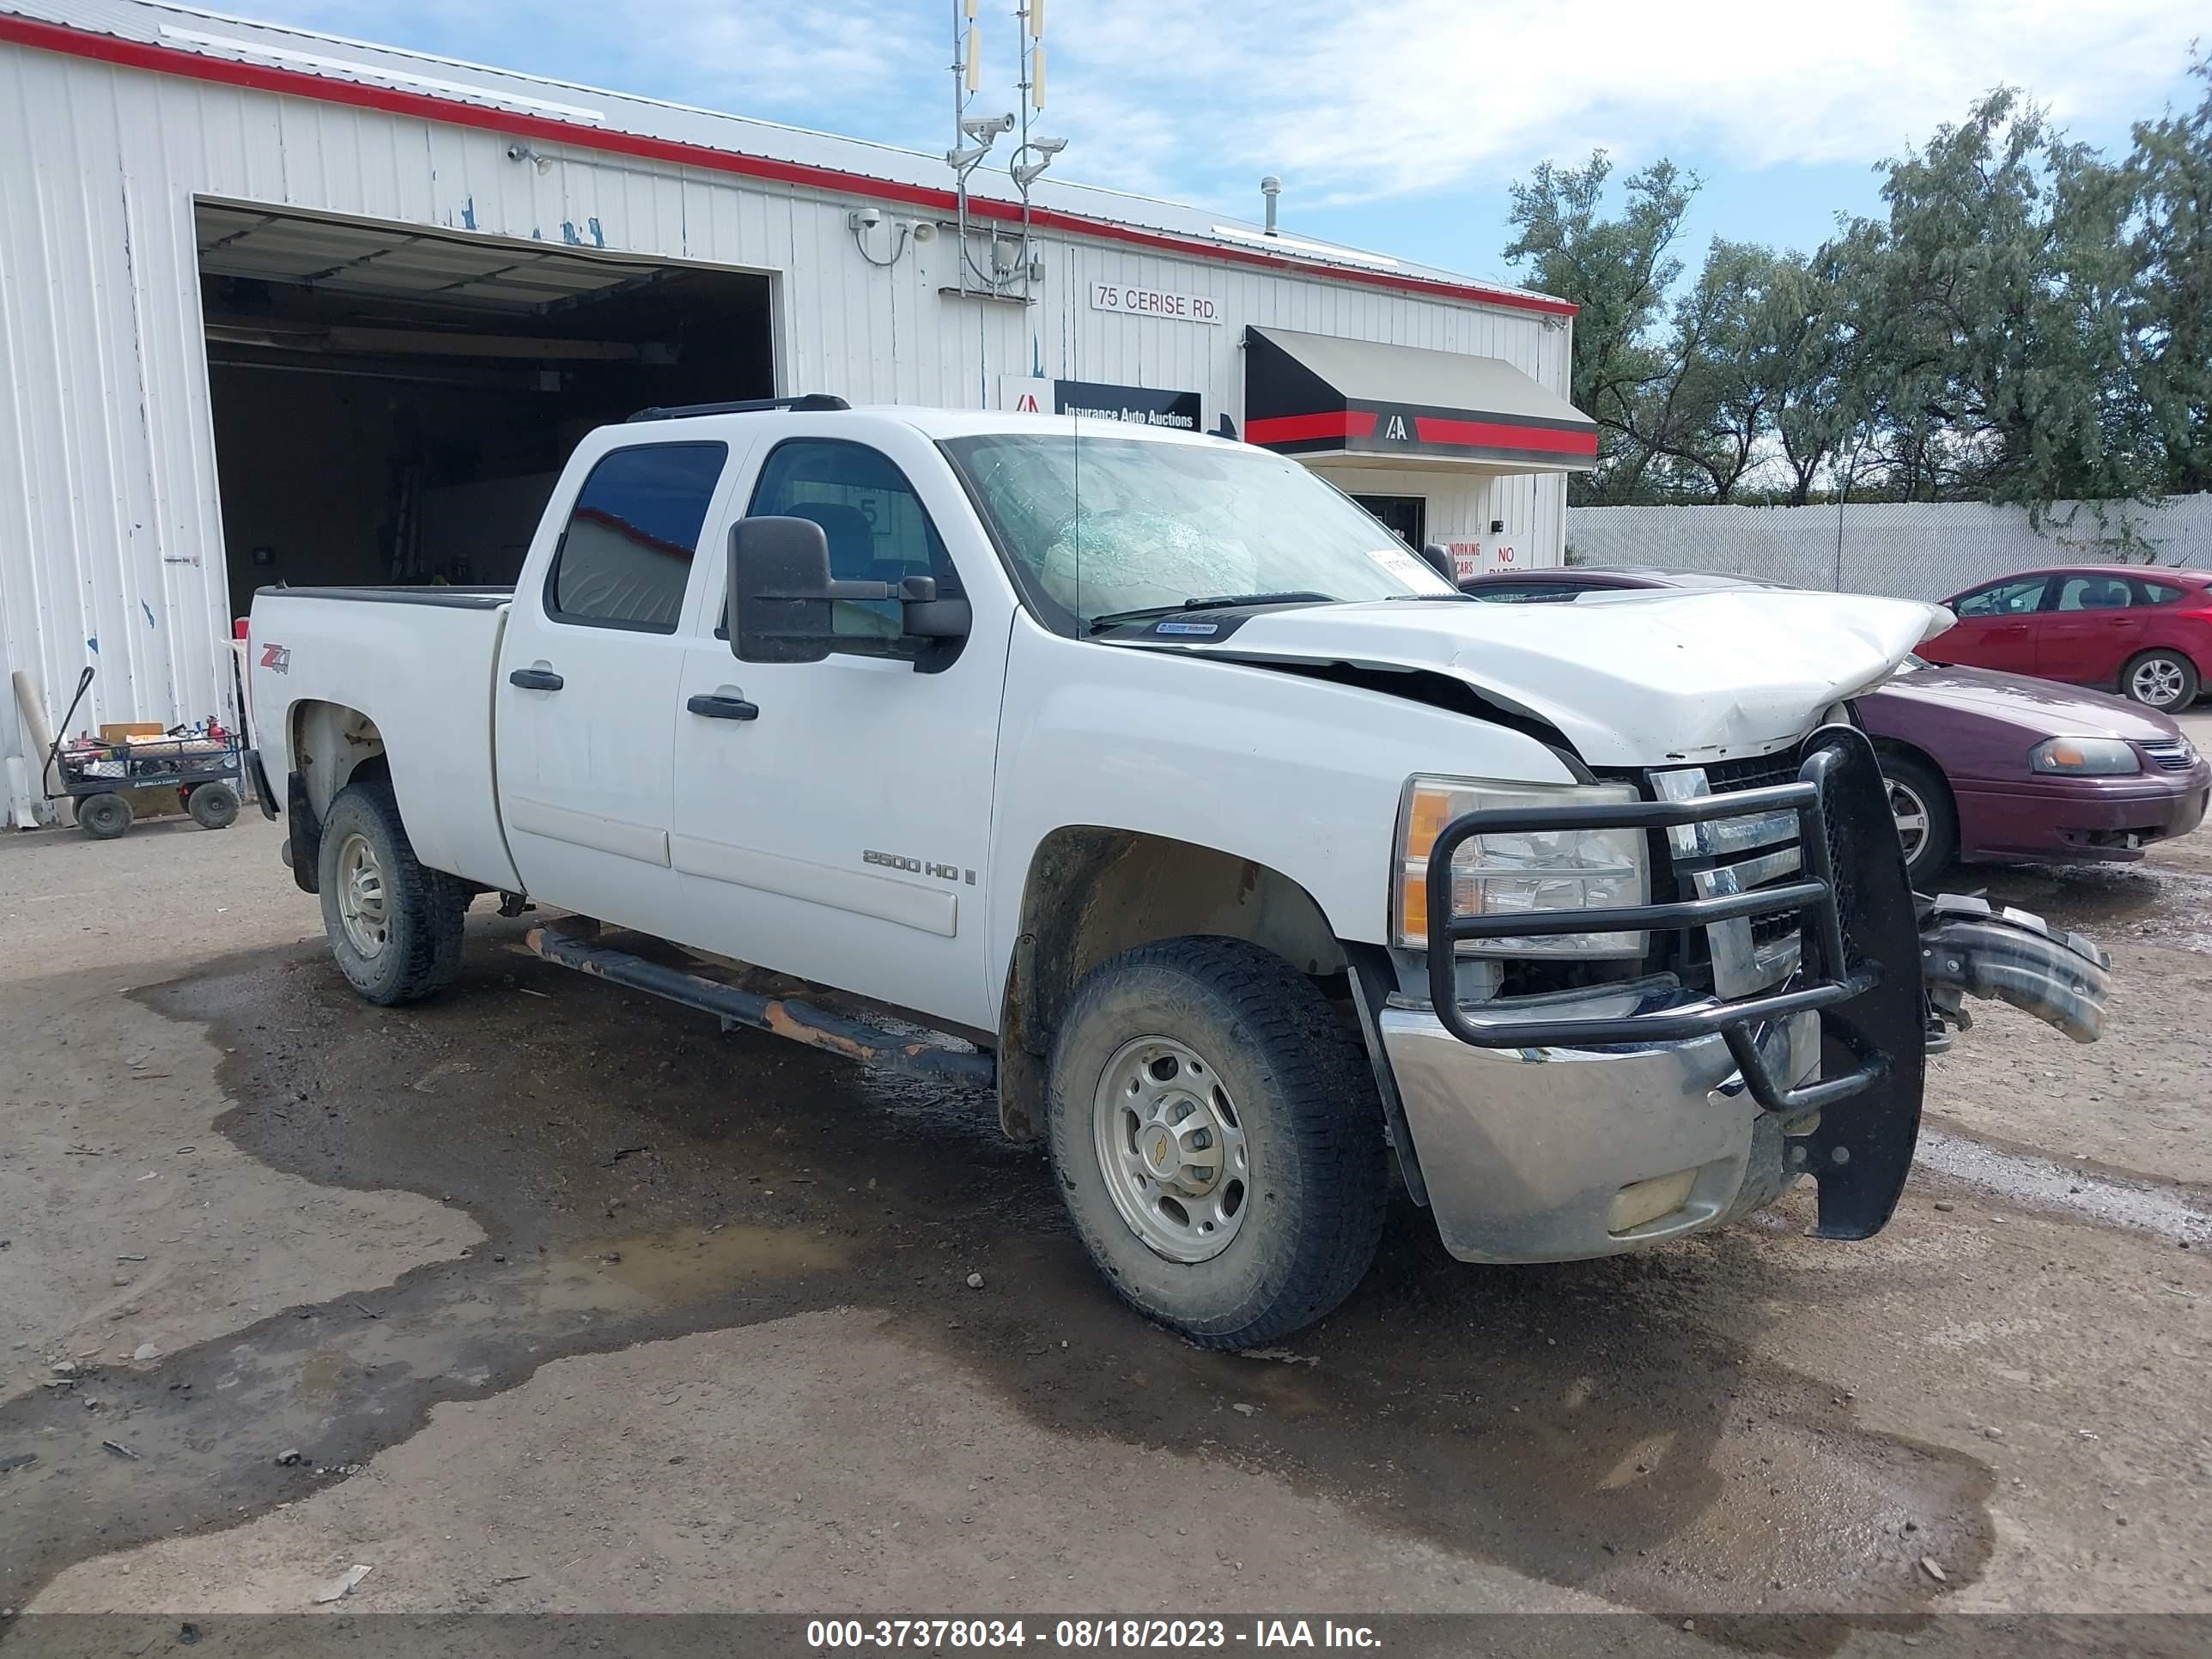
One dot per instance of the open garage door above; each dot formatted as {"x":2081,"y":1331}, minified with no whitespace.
{"x":393,"y":402}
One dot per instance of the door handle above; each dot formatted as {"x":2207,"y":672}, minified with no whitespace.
{"x":536,"y":679}
{"x":716,"y":707}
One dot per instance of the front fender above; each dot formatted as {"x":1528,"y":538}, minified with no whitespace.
{"x":1970,"y":949}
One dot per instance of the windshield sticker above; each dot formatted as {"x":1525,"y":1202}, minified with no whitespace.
{"x":1409,"y":570}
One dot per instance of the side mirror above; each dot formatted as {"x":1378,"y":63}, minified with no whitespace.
{"x":777,"y":601}
{"x":780,"y":600}
{"x":1440,"y":559}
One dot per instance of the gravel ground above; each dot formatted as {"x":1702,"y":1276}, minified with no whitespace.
{"x":569,"y":1303}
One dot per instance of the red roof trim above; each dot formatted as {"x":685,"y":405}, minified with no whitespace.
{"x":1297,"y":429}
{"x":1504,"y":435}
{"x":192,"y":65}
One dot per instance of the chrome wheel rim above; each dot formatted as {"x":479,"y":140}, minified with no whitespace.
{"x":2156,"y":684}
{"x":361,"y":896}
{"x":1911,"y":815}
{"x":1171,"y":1146}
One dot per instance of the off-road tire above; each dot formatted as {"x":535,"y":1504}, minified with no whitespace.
{"x":1939,"y":848}
{"x":105,"y":816}
{"x":213,"y":806}
{"x":423,"y":908}
{"x":1307,"y":1106}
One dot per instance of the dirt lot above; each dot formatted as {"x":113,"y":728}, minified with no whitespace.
{"x":568,"y":1302}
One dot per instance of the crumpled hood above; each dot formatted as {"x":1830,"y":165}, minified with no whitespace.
{"x":1633,"y":678}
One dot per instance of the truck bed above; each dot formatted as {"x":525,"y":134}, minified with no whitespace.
{"x":419,"y":663}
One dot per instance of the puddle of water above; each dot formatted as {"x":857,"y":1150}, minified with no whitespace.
{"x":324,"y":1370}
{"x":2042,"y":1184}
{"x":2141,"y":903}
{"x":690,"y":1264}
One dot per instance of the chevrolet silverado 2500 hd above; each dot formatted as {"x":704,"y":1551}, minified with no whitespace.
{"x":1156,"y":785}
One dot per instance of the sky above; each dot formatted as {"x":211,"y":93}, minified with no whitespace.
{"x":1395,"y":125}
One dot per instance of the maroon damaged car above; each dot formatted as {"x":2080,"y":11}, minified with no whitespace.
{"x":1984,"y":767}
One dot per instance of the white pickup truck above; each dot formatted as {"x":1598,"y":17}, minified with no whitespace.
{"x":1146,"y":778}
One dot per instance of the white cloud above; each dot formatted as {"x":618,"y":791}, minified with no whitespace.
{"x":1352,"y":100}
{"x":1393,"y":96}
{"x":807,"y":62}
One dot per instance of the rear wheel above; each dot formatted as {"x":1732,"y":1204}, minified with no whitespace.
{"x":1927,"y":823}
{"x":394,"y":926}
{"x":2161,"y":679}
{"x":213,"y":806}
{"x":104,"y":817}
{"x":1217,"y":1140}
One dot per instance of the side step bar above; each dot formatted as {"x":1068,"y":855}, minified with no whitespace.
{"x":855,"y":1039}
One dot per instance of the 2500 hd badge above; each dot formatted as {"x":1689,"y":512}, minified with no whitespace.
{"x":916,"y":867}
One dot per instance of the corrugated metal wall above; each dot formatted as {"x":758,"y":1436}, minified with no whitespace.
{"x":109,"y":540}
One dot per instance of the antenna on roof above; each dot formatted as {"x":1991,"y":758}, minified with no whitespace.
{"x":1001,"y":272}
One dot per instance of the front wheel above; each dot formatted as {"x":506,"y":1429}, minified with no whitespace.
{"x":1217,"y":1140}
{"x":1927,"y":823}
{"x":394,"y":926}
{"x":2164,"y":680}
{"x":103,"y":817}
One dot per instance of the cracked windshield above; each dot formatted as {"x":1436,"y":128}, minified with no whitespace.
{"x":1101,"y":527}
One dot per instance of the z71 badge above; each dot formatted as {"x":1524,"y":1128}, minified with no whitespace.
{"x":276,"y":658}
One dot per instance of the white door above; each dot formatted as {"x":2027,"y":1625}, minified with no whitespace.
{"x":587,"y":692}
{"x":832,"y":818}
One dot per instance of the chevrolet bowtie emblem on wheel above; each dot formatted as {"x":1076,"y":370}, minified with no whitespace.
{"x":1160,"y":1151}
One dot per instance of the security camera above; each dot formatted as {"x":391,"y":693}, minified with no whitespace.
{"x":866,"y":218}
{"x":984,"y":128}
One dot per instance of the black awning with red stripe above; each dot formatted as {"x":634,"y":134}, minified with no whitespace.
{"x":1316,"y":394}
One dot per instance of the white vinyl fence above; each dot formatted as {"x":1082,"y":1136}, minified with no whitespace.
{"x":1911,"y":550}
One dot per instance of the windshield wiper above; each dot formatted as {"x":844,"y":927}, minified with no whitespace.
{"x":1218,"y":602}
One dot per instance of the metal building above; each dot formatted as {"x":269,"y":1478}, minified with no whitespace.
{"x":280,"y":306}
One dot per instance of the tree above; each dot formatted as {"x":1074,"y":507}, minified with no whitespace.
{"x":2169,"y":175}
{"x":1812,"y":356}
{"x":1728,"y":366}
{"x":1992,"y":308}
{"x":1618,"y":270}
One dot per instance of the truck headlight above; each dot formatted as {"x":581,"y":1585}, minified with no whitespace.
{"x":1519,"y":873}
{"x":2101,"y":757}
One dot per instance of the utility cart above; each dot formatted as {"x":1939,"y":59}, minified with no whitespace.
{"x":206,"y":765}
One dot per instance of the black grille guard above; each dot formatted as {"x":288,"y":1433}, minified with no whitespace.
{"x":1829,"y":978}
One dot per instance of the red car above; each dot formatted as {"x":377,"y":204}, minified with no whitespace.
{"x":1984,"y":767}
{"x":2143,"y":630}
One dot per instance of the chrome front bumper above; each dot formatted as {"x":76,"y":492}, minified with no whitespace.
{"x":1540,"y":1154}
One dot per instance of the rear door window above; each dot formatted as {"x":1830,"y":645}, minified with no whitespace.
{"x":2013,"y":598}
{"x":626,"y":552}
{"x":2094,"y":593}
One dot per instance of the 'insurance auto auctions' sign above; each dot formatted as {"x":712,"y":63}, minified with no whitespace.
{"x":1129,"y":301}
{"x":1139,"y":405}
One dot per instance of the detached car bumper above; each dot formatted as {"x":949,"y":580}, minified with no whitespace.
{"x":1554,"y":1154}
